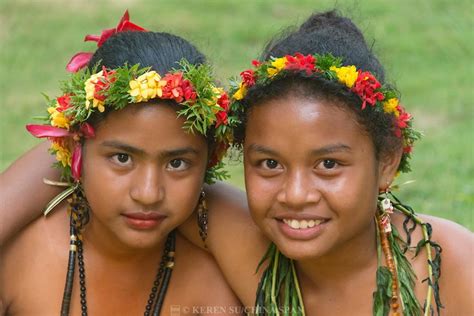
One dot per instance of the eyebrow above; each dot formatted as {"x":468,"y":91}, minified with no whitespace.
{"x":316,"y":152}
{"x":138,"y":151}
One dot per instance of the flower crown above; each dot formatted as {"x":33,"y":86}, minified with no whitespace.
{"x":362,"y":83}
{"x":205,"y":107}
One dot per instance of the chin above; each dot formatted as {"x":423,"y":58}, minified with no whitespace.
{"x":299,"y":250}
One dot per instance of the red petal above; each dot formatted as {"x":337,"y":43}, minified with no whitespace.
{"x":91,"y":38}
{"x":76,"y":163}
{"x":129,"y":26}
{"x":41,"y":131}
{"x":78,"y":61}
{"x":87,"y":130}
{"x":105,"y":36}
{"x":125,"y":18}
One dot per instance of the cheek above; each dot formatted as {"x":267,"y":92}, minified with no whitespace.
{"x":260,"y":194}
{"x":182,"y":195}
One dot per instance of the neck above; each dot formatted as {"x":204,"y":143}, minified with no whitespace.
{"x":353,"y":258}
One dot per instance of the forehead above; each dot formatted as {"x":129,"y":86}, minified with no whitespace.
{"x":148,"y":124}
{"x":294,"y":120}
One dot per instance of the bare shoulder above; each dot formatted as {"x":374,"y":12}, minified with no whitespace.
{"x":235,"y":241}
{"x":41,"y":244}
{"x":197,"y":273}
{"x":456,"y":281}
{"x":457,"y":275}
{"x":230,"y":219}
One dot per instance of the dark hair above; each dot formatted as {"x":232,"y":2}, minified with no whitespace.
{"x":160,"y":51}
{"x":325,"y":33}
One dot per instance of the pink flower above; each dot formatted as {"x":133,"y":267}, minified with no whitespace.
{"x":78,"y":61}
{"x":76,"y":162}
{"x":41,"y":131}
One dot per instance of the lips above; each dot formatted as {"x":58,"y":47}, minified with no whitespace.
{"x":143,"y":220}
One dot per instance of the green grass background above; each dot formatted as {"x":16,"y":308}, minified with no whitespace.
{"x":426,"y":46}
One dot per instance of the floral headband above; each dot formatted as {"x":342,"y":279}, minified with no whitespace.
{"x":362,"y":83}
{"x":204,"y":106}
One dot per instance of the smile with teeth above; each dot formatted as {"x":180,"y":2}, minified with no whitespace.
{"x":302,"y":224}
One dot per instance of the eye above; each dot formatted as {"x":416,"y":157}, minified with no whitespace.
{"x":122,"y":159}
{"x":177,"y":164}
{"x":270,"y":164}
{"x":329,"y":163}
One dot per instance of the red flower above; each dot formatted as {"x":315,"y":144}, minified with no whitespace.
{"x":223,"y":101}
{"x":248,"y":77}
{"x":221,"y":118}
{"x":103,"y":84}
{"x":64,"y":102}
{"x":256,"y":63}
{"x":407,"y":149}
{"x":87,"y":130}
{"x":80,"y":60}
{"x":403,"y":118}
{"x":218,"y":154}
{"x":365,"y":87}
{"x":177,"y":88}
{"x":300,"y":62}
{"x":123,"y":26}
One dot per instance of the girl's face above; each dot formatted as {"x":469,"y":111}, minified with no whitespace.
{"x":311,"y":175}
{"x":142,"y":174}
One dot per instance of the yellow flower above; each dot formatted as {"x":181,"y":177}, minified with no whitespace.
{"x":63,"y":155}
{"x":239,"y":94}
{"x":346,"y":75}
{"x":89,"y":87}
{"x":390,"y":106}
{"x":58,"y":119}
{"x":147,"y":86}
{"x":278,"y":64}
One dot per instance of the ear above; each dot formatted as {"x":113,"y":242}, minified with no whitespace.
{"x":388,"y":166}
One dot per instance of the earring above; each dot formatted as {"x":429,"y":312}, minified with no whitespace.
{"x":202,"y":217}
{"x":386,"y":208}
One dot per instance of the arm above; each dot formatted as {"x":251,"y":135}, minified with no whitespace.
{"x":22,"y":191}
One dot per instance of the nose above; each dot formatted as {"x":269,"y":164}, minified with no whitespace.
{"x":148,"y":186}
{"x":298,"y":190}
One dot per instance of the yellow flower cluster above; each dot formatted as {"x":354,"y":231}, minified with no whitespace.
{"x":390,"y":106}
{"x":63,"y":155}
{"x":58,"y":119}
{"x":90,"y":90}
{"x":346,"y":75}
{"x":239,"y":94}
{"x":277,"y":65}
{"x":147,"y":86}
